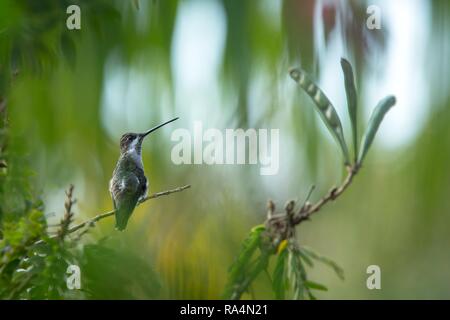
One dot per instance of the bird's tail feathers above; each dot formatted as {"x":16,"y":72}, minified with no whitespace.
{"x":122,"y":217}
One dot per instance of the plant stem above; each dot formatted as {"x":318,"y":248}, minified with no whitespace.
{"x":306,"y":211}
{"x":110,"y":213}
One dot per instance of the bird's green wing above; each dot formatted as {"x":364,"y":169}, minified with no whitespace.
{"x":125,"y":197}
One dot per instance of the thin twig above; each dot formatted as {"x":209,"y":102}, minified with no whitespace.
{"x":101,"y":216}
{"x":68,"y":215}
{"x":308,"y":196}
{"x":110,"y":213}
{"x":307,"y":210}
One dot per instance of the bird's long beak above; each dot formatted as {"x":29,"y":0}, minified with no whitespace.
{"x":143,"y":135}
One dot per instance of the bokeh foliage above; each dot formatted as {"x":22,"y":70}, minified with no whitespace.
{"x":53,"y":132}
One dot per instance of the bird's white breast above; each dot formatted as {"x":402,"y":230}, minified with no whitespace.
{"x":133,"y":152}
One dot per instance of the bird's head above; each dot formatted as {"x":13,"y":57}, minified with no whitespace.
{"x":133,"y":141}
{"x":130,"y":141}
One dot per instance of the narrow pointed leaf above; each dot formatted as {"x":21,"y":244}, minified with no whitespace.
{"x":327,"y":261}
{"x":350,"y":90}
{"x":261,"y":264}
{"x":305,"y":258}
{"x":247,"y":265}
{"x":374,"y":123}
{"x":315,"y":285}
{"x":249,"y":246}
{"x":311,"y":296}
{"x":296,"y":275}
{"x":324,"y":107}
{"x":279,"y":275}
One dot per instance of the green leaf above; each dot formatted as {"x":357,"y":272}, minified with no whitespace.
{"x":315,"y":285}
{"x":261,"y":264}
{"x":327,"y":261}
{"x":324,"y":107}
{"x":258,"y":228}
{"x":350,"y":90}
{"x":375,"y":120}
{"x":136,"y":4}
{"x":235,"y":289}
{"x":294,"y":276}
{"x":278,"y":279}
{"x":248,"y":248}
{"x":297,"y":274}
{"x":244,"y":269}
{"x":311,"y":296}
{"x":305,"y":258}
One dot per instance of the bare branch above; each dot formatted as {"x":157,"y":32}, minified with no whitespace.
{"x":281,"y":226}
{"x":307,"y":210}
{"x":68,"y":215}
{"x":101,"y":216}
{"x":110,"y":213}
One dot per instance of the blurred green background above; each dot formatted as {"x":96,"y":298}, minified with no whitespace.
{"x":71,"y":94}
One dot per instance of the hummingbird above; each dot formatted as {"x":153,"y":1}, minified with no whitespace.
{"x":129,"y":185}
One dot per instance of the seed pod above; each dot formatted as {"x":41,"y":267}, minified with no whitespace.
{"x":350,"y":90}
{"x":375,"y":120}
{"x":324,"y":107}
